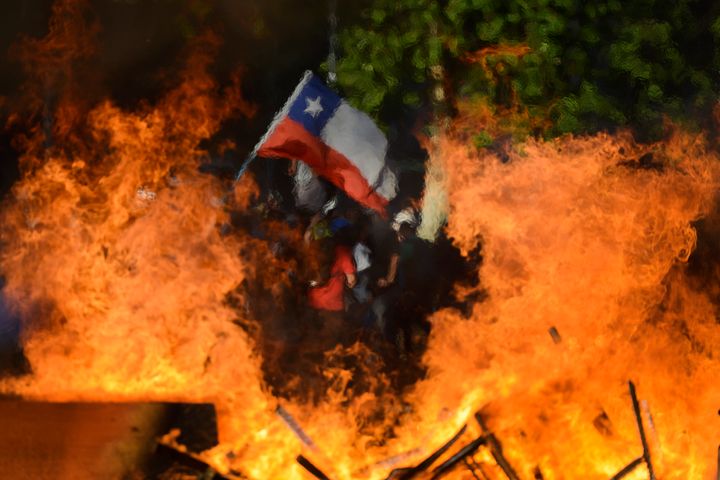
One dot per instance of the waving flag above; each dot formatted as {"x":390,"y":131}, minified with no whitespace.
{"x":339,"y":142}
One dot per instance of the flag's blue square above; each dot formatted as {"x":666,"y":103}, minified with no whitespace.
{"x":315,"y":104}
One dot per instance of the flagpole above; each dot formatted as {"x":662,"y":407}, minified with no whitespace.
{"x":331,"y":79}
{"x":276,"y":120}
{"x":246,"y":163}
{"x":332,"y":43}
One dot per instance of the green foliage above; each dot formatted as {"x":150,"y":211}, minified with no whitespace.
{"x":387,"y":59}
{"x":482,"y":139}
{"x":590,"y":65}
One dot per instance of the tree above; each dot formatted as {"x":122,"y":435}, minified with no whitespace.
{"x":583,"y":66}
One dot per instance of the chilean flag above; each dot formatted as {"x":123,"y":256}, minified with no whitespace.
{"x":339,"y":142}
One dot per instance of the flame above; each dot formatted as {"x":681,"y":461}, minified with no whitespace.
{"x":116,"y":258}
{"x":577,"y":236}
{"x":481,"y":56}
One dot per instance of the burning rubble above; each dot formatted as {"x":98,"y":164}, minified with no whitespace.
{"x":134,"y":282}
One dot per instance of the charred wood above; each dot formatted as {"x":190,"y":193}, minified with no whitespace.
{"x":628,"y":468}
{"x":478,"y":467}
{"x":555,"y":335}
{"x":295,"y":427}
{"x":603,"y":424}
{"x":496,"y":449}
{"x":399,"y":473}
{"x":193,"y":462}
{"x":409,"y":473}
{"x":646,"y":449}
{"x":641,"y":429}
{"x":461,"y":455}
{"x":311,"y":468}
{"x":471,"y":468}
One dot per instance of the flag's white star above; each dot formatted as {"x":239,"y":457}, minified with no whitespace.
{"x":314,"y":107}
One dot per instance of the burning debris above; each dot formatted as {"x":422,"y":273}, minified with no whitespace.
{"x":189,"y":463}
{"x":464,"y":457}
{"x":645,"y":457}
{"x":311,"y":468}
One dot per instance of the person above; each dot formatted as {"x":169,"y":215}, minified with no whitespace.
{"x":385,"y":271}
{"x":328,"y":299}
{"x":361,"y":312}
{"x":330,"y":295}
{"x":310,"y":191}
{"x":416,"y":278}
{"x":318,"y":229}
{"x":326,"y":223}
{"x":361,"y":255}
{"x":405,"y":294}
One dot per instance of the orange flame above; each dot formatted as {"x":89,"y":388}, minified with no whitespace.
{"x":481,"y":56}
{"x":576,"y":237}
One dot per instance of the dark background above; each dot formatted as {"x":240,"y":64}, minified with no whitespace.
{"x":141,"y":42}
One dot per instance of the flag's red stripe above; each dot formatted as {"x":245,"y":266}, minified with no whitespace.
{"x":291,"y":140}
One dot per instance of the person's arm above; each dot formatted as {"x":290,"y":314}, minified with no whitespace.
{"x":392,"y":271}
{"x":307,"y":236}
{"x":347,"y":266}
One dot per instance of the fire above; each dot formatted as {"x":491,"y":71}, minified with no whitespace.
{"x":578,"y":237}
{"x":117,"y":256}
{"x":481,"y":56}
{"x":114,"y":257}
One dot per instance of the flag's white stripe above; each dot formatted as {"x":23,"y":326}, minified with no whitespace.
{"x":279,"y":116}
{"x":387,"y":185}
{"x":353,"y":134}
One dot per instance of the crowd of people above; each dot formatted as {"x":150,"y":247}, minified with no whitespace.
{"x":373,"y":276}
{"x":343,"y":274}
{"x":376,"y":281}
